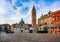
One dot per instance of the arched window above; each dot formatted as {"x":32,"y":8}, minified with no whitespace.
{"x":25,"y":28}
{"x":58,"y":17}
{"x":45,"y":23}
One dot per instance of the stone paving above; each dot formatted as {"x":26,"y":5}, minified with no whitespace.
{"x":29,"y":37}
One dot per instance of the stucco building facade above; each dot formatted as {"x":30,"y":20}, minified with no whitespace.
{"x":56,"y":22}
{"x":45,"y":21}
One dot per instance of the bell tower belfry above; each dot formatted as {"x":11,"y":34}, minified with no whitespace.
{"x":33,"y":16}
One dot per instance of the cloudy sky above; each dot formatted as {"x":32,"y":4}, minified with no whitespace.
{"x":11,"y":11}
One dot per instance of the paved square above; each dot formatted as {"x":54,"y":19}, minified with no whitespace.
{"x":29,"y":37}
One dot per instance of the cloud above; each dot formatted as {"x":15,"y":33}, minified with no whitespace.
{"x":12,"y":12}
{"x":2,"y":11}
{"x":2,"y":20}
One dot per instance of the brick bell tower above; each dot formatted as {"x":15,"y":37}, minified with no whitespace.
{"x":33,"y":16}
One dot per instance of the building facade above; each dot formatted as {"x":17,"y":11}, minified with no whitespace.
{"x":5,"y":28}
{"x":20,"y":27}
{"x":51,"y":21}
{"x":56,"y":22}
{"x":45,"y":21}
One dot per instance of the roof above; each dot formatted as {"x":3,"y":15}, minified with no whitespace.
{"x":58,"y":11}
{"x":29,"y":25}
{"x":22,"y":21}
{"x":33,"y":7}
{"x":14,"y":25}
{"x":45,"y":16}
{"x":5,"y":25}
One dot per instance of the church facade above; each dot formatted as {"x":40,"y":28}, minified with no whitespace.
{"x":20,"y":27}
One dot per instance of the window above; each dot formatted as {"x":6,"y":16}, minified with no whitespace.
{"x":53,"y":15}
{"x":55,"y":31}
{"x":21,"y":25}
{"x":59,"y":18}
{"x":53,"y":19}
{"x":53,"y":28}
{"x":28,"y":29}
{"x":48,"y":28}
{"x":21,"y":30}
{"x":25,"y":28}
{"x":45,"y":23}
{"x":59,"y":27}
{"x":40,"y":24}
{"x":40,"y":28}
{"x":59,"y":31}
